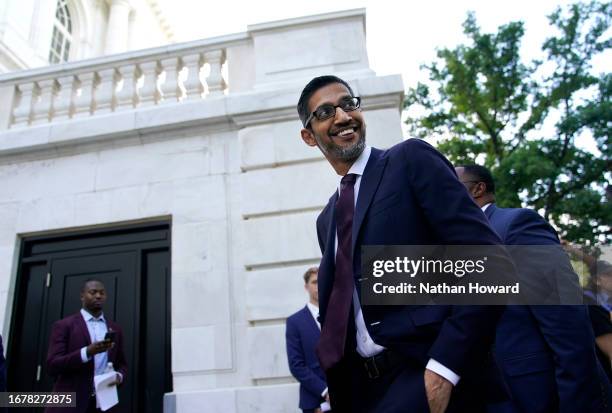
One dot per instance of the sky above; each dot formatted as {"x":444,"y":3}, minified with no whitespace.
{"x":401,"y":35}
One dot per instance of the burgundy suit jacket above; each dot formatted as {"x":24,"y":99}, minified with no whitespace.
{"x":68,"y":336}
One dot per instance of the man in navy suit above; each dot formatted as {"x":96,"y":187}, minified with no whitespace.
{"x":302,"y":334}
{"x":391,"y":358}
{"x":2,"y":368}
{"x":546,"y":353}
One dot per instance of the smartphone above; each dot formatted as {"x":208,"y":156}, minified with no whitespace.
{"x":110,"y":335}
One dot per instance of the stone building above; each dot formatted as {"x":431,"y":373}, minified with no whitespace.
{"x":177,"y":175}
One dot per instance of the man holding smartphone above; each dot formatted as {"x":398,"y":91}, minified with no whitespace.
{"x":81,"y":346}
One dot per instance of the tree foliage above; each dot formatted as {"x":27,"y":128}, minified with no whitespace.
{"x":484,"y":103}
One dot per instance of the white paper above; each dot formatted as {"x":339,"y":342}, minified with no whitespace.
{"x":106,"y":396}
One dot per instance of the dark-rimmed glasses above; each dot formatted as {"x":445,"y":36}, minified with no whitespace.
{"x":328,"y":110}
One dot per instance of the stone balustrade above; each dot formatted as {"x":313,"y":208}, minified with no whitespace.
{"x":121,"y":82}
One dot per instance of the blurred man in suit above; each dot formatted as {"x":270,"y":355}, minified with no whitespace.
{"x":302,"y":335}
{"x":2,"y":367}
{"x":546,"y":353}
{"x":78,"y":349}
{"x":391,"y":358}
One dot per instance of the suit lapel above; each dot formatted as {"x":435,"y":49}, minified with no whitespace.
{"x":369,"y":183}
{"x":311,"y":321}
{"x":327,"y":266}
{"x":112,"y":350}
{"x":330,"y":243}
{"x":82,"y":326}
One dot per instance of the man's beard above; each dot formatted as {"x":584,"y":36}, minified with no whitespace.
{"x":344,"y":154}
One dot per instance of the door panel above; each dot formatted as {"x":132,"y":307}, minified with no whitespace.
{"x":28,"y":356}
{"x":156,"y":352}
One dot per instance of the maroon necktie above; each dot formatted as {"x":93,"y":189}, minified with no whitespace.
{"x":333,"y":334}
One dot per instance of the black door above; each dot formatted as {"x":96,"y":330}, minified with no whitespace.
{"x":134,"y":264}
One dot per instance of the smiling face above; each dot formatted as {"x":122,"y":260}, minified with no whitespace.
{"x":340,"y":138}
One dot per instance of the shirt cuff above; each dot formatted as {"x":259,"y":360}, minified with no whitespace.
{"x":443,"y":371}
{"x":84,"y":357}
{"x":324,"y":393}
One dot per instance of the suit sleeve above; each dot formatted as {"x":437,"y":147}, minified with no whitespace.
{"x":466,"y":335}
{"x":321,"y":231}
{"x":59,"y":358}
{"x":297,"y":362}
{"x":120,"y":363}
{"x":2,"y":368}
{"x":566,"y":328}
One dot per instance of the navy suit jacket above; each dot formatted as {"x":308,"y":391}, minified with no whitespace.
{"x":2,"y":368}
{"x":410,"y":195}
{"x":546,"y":353}
{"x":302,"y":335}
{"x":68,"y":336}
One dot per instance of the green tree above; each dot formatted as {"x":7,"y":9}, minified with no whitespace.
{"x":522,"y":119}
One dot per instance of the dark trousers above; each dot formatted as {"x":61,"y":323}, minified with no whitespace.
{"x":91,"y":407}
{"x":401,"y":389}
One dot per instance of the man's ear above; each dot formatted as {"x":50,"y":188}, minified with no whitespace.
{"x":308,"y":137}
{"x":480,"y":189}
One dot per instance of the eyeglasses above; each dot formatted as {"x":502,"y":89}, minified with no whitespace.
{"x":469,"y":182}
{"x":327,"y":111}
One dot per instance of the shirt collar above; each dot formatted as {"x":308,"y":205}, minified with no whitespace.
{"x":359,"y":165}
{"x":87,"y":316}
{"x":314,"y":310}
{"x":485,"y":206}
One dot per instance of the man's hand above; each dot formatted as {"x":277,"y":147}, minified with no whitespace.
{"x":438,"y":391}
{"x":116,"y":382}
{"x":99,"y":347}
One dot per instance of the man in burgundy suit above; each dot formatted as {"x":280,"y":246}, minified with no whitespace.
{"x":78,"y":350}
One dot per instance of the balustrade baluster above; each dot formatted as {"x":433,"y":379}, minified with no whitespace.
{"x":22,"y":112}
{"x":104,"y":95}
{"x":126,"y":97}
{"x":62,"y":104}
{"x":41,"y":107}
{"x":193,"y":84}
{"x":149,"y":92}
{"x":216,"y":83}
{"x":83,"y":101}
{"x":170,"y":89}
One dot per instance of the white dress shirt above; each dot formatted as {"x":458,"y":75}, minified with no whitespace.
{"x":366,"y":347}
{"x":97,"y":330}
{"x":314,"y":310}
